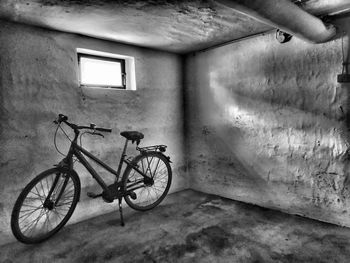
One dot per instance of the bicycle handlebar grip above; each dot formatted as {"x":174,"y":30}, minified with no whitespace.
{"x":103,"y":129}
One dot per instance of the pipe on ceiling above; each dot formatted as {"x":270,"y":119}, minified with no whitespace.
{"x":286,"y":16}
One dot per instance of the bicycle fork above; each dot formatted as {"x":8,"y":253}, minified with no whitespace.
{"x":50,"y":203}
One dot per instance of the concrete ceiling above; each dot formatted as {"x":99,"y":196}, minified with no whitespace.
{"x":176,"y":26}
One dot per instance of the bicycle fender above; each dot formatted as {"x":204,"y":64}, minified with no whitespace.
{"x":167,"y":157}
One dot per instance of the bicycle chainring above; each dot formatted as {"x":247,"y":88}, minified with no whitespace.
{"x":114,"y":193}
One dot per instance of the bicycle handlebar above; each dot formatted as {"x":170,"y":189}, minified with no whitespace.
{"x":103,"y":129}
{"x":63,"y":118}
{"x":92,"y":127}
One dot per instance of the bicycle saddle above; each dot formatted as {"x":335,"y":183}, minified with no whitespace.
{"x":132,"y":135}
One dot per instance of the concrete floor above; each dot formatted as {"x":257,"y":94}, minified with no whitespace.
{"x":191,"y":227}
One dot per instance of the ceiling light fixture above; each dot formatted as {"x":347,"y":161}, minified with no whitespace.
{"x":283,"y":37}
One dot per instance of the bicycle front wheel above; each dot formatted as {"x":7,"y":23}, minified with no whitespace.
{"x":145,"y":193}
{"x":45,"y":205}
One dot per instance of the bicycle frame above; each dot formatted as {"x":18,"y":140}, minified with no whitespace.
{"x":79,"y":152}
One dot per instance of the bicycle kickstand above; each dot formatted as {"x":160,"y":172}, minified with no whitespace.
{"x":121,"y":212}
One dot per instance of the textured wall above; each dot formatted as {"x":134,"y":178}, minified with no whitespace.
{"x":38,"y":80}
{"x":267,"y":124}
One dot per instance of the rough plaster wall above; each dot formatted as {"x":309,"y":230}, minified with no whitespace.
{"x":267,"y":124}
{"x":39,"y":79}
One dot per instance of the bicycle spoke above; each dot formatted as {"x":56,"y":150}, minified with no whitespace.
{"x":62,"y":208}
{"x":52,"y":178}
{"x":32,"y":198}
{"x":33,"y":222}
{"x":58,"y":188}
{"x":37,"y":193}
{"x":155,"y":170}
{"x":59,"y":213}
{"x":29,"y":205}
{"x":51,"y":224}
{"x":42,"y":187}
{"x":49,"y":221}
{"x":63,"y":204}
{"x":142,"y":191}
{"x":162,"y":170}
{"x":24,"y":219}
{"x":147,"y":193}
{"x":46,"y":222}
{"x":66,"y":193}
{"x":149,"y":166}
{"x":157,"y":193}
{"x":55,"y":211}
{"x":161,"y":182}
{"x":29,"y":210}
{"x":29,"y":213}
{"x":47,"y":184}
{"x":36,"y":223}
{"x":65,"y":200}
{"x":157,"y":188}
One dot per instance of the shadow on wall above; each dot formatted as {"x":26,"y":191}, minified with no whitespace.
{"x":222,"y":157}
{"x":229,"y":168}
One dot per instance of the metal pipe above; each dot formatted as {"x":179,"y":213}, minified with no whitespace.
{"x":286,"y":16}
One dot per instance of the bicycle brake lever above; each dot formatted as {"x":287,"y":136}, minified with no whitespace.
{"x":99,"y":134}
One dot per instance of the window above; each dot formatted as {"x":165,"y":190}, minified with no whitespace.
{"x":101,"y":71}
{"x":106,"y":70}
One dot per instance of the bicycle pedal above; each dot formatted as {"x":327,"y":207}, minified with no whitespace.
{"x":93,"y":195}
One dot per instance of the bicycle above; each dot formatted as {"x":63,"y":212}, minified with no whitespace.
{"x":48,"y":201}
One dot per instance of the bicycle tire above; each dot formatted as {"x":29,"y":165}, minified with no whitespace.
{"x":34,"y":194}
{"x":155,"y":160}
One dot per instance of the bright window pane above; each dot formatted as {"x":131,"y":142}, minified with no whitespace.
{"x":100,"y":72}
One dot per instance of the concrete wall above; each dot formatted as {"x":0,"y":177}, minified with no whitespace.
{"x":39,"y":79}
{"x":267,"y":123}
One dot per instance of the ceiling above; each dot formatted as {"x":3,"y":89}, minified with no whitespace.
{"x":175,"y":26}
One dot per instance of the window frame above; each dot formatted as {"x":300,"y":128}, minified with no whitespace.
{"x":103,"y":58}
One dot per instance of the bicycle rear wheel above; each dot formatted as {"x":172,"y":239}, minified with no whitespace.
{"x":147,"y":193}
{"x":37,"y":216}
